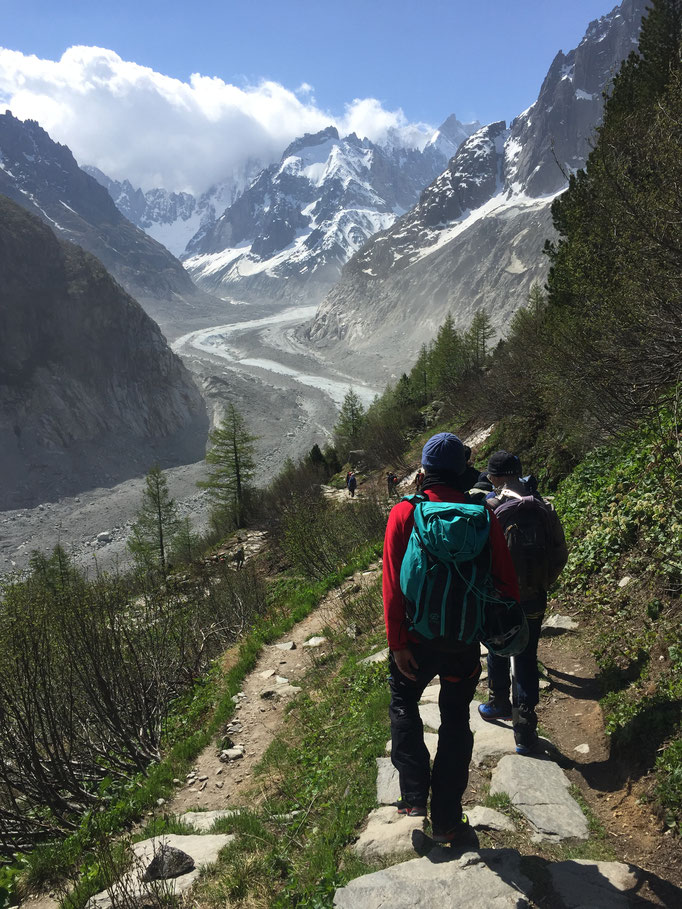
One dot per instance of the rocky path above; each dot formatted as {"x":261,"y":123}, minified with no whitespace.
{"x":542,"y":817}
{"x":527,"y":811}
{"x":222,"y":775}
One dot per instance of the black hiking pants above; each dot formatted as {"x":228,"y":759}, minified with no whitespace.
{"x":526,"y":663}
{"x":447,"y":781}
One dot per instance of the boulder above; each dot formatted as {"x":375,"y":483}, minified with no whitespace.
{"x":168,"y":862}
{"x":388,"y":783}
{"x":558,"y":624}
{"x":203,"y":851}
{"x":488,"y":819}
{"x":377,"y":657}
{"x":581,"y":883}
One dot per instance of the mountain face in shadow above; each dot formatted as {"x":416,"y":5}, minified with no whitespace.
{"x":90,"y":392}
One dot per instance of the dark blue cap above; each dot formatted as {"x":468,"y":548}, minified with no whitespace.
{"x":504,"y":464}
{"x":444,"y":451}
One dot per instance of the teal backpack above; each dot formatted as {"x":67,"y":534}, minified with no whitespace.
{"x":446,"y":579}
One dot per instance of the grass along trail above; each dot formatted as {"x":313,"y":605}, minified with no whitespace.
{"x":260,"y":709}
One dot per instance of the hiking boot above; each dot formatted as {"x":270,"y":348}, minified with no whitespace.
{"x":525,"y":730}
{"x":495,"y":710}
{"x":462,"y":834}
{"x":410,"y":810}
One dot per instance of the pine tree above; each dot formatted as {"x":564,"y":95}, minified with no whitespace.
{"x":185,"y":543}
{"x":477,"y":337}
{"x":449,"y":359}
{"x":231,"y":460}
{"x":156,"y":524}
{"x":349,"y":425}
{"x":420,"y":376}
{"x":614,"y":286}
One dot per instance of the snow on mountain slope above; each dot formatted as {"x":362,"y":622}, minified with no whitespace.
{"x":171,"y":218}
{"x":288,"y":235}
{"x":43,"y":177}
{"x":475,"y":238}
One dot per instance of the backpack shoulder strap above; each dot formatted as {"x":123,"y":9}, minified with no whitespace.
{"x":415,"y":499}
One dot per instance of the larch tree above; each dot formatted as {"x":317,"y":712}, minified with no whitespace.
{"x":350,"y":422}
{"x":477,"y":337}
{"x":156,"y":524}
{"x":231,"y":462}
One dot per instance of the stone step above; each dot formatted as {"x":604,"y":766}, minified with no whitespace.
{"x":538,"y":788}
{"x":488,"y":878}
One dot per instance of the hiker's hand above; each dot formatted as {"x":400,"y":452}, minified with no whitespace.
{"x":406,"y":663}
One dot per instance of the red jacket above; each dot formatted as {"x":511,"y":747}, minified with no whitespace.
{"x":398,"y":531}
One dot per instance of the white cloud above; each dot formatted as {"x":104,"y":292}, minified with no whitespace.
{"x":366,"y":117}
{"x":135,"y":123}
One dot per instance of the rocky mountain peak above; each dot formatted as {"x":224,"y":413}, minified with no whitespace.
{"x":310,"y":140}
{"x":43,"y":177}
{"x":554,"y":136}
{"x":475,"y":238}
{"x":302,"y":218}
{"x":450,"y":135}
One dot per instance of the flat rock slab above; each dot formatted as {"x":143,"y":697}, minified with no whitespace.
{"x":317,"y":641}
{"x":430,"y":714}
{"x":377,"y":657}
{"x":558,"y":624}
{"x":489,"y":879}
{"x":539,"y":790}
{"x":582,"y":884}
{"x":431,"y":695}
{"x":286,"y":645}
{"x":491,"y":740}
{"x":430,"y":740}
{"x":488,"y":819}
{"x":388,"y":782}
{"x":203,"y":850}
{"x":387,"y":833}
{"x":203,"y":821}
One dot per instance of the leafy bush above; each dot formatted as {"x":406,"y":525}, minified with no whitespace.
{"x":317,"y":536}
{"x":90,"y":673}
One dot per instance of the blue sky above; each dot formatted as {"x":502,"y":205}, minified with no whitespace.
{"x":482,"y":60}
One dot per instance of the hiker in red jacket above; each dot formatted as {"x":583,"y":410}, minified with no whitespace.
{"x":414,"y":663}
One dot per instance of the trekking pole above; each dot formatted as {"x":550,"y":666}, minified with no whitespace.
{"x":515,"y":693}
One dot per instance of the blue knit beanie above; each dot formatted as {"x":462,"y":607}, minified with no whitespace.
{"x":444,"y":451}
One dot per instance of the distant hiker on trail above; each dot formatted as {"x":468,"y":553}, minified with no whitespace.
{"x":348,"y":475}
{"x":239,"y":558}
{"x":416,"y":658}
{"x":391,"y":483}
{"x":352,"y":483}
{"x":419,"y":480}
{"x":538,"y":548}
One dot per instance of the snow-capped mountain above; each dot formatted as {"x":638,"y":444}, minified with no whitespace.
{"x":171,"y":218}
{"x":43,"y":177}
{"x":301,"y":219}
{"x":476,"y":236}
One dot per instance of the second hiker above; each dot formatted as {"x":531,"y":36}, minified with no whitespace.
{"x":538,"y":548}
